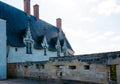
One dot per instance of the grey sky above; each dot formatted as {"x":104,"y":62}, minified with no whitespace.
{"x":91,"y":26}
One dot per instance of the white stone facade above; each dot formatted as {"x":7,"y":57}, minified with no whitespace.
{"x":21,"y":56}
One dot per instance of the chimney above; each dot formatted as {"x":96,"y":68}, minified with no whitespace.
{"x":27,"y":6}
{"x":36,"y":11}
{"x":59,"y":23}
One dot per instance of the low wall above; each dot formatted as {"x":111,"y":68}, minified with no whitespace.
{"x":73,"y":71}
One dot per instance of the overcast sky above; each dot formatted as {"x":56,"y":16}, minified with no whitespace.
{"x":91,"y":26}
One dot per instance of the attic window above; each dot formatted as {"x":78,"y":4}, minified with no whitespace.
{"x":28,"y":48}
{"x":16,"y":49}
{"x":58,"y":52}
{"x":87,"y":67}
{"x":72,"y":67}
{"x":45,"y":54}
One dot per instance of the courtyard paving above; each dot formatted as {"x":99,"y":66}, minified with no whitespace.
{"x":29,"y":81}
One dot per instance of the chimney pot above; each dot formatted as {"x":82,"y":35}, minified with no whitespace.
{"x":36,"y":11}
{"x":27,"y":6}
{"x":59,"y":23}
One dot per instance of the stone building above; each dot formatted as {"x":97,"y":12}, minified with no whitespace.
{"x":26,"y":38}
{"x":30,"y":38}
{"x":35,"y":49}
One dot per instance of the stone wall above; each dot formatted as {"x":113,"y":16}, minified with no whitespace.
{"x":26,"y":69}
{"x":57,"y":70}
{"x":3,"y":71}
{"x":70,"y":68}
{"x":79,"y":71}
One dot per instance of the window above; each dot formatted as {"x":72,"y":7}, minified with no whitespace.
{"x":45,"y":51}
{"x":16,"y":49}
{"x":26,"y":66}
{"x":37,"y":66}
{"x":72,"y":67}
{"x":28,"y":48}
{"x":43,"y":66}
{"x":58,"y":52}
{"x":86,"y":67}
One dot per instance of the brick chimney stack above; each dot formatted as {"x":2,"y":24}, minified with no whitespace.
{"x":27,"y":6}
{"x":36,"y":11}
{"x":59,"y":23}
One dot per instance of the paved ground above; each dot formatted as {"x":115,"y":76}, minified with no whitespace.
{"x":18,"y":81}
{"x":28,"y":81}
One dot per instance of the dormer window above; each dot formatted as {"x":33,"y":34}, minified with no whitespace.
{"x":28,"y":48}
{"x":65,"y":52}
{"x":45,"y":50}
{"x":28,"y":41}
{"x":29,"y":45}
{"x":16,"y":49}
{"x":45,"y":46}
{"x":58,"y":53}
{"x":58,"y":47}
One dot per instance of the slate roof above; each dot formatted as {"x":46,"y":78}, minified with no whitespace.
{"x":17,"y":21}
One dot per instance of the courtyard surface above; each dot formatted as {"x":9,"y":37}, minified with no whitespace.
{"x":29,"y":81}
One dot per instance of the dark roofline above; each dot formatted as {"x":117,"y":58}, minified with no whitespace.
{"x":12,"y":6}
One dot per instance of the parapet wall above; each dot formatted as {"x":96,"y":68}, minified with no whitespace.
{"x":97,"y":58}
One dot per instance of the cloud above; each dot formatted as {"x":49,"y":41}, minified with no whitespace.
{"x":109,"y":33}
{"x":106,"y":7}
{"x":116,"y":38}
{"x":87,"y":19}
{"x":100,"y":36}
{"x":67,"y":4}
{"x":92,"y":1}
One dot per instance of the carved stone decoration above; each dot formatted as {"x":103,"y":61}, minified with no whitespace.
{"x":58,"y":47}
{"x":28,"y":40}
{"x":45,"y":45}
{"x":64,"y":48}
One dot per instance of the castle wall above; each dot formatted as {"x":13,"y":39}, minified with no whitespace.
{"x":3,"y":49}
